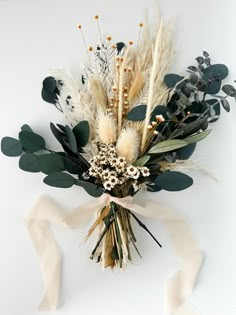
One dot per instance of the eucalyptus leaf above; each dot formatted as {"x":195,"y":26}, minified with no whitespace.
{"x":166,"y":146}
{"x":200,"y":60}
{"x":11,"y":146}
{"x":225,"y":104}
{"x":81,"y":132}
{"x":142,"y":161}
{"x":197,"y":137}
{"x":213,"y":87}
{"x":26,"y":128}
{"x":172,"y":79}
{"x":217,"y":70}
{"x":28,"y":163}
{"x":92,"y":189}
{"x":71,"y":138}
{"x":50,"y":163}
{"x":31,"y":142}
{"x":173,"y":181}
{"x":229,"y":90}
{"x":60,"y":180}
{"x":159,"y":110}
{"x":185,"y":152}
{"x":137,"y":113}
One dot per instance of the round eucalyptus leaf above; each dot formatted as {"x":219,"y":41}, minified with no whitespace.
{"x":137,"y":113}
{"x":213,"y":87}
{"x":185,"y":152}
{"x":200,"y":60}
{"x":11,"y":146}
{"x":92,"y":189}
{"x":173,"y":181}
{"x":60,"y":180}
{"x":31,"y":142}
{"x":205,"y":54}
{"x":217,"y":70}
{"x":50,"y":163}
{"x":26,"y":127}
{"x":50,"y":84}
{"x":28,"y":163}
{"x":172,"y":79}
{"x":192,"y":68}
{"x":81,"y":132}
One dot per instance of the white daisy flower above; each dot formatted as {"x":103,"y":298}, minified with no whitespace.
{"x":145,"y":171}
{"x":107,"y":185}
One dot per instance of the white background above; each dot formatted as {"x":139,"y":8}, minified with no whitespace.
{"x":36,"y":36}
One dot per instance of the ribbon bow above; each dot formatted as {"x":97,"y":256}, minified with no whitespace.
{"x":178,"y":287}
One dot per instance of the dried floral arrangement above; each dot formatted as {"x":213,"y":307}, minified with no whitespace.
{"x":131,"y":126}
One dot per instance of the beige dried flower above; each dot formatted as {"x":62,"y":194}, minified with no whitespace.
{"x":128,"y":144}
{"x":106,"y":128}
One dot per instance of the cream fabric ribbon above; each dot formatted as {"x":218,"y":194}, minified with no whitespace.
{"x":178,"y":287}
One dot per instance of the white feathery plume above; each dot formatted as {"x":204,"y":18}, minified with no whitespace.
{"x":128,"y":144}
{"x":106,"y":128}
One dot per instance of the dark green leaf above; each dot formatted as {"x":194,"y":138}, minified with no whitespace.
{"x":31,"y":142}
{"x":185,"y":152}
{"x":193,"y":78}
{"x":137,"y":113}
{"x":11,"y":146}
{"x":50,"y":163}
{"x":71,"y":138}
{"x":92,"y":189}
{"x":229,"y":90}
{"x":213,"y":87}
{"x":81,"y":132}
{"x":205,"y":54}
{"x":200,"y":59}
{"x":28,"y":163}
{"x":60,"y":179}
{"x":172,"y":79}
{"x":159,"y":110}
{"x":218,"y":70}
{"x":167,"y":145}
{"x":26,"y":128}
{"x":57,"y":134}
{"x":194,"y":126}
{"x":173,"y":181}
{"x":225,"y":104}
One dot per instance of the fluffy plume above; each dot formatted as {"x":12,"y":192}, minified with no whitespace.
{"x":106,"y":128}
{"x":96,"y":89}
{"x":163,"y":56}
{"x":136,"y":86}
{"x":128,"y":144}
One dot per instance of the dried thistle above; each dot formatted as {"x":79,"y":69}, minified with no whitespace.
{"x":128,"y":144}
{"x":106,"y":128}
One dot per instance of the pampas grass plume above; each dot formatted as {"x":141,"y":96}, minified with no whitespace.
{"x":106,"y":128}
{"x":128,"y":144}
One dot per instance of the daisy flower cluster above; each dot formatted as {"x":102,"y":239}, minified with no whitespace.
{"x":113,"y":170}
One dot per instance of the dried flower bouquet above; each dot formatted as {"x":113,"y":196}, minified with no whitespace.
{"x":131,"y":126}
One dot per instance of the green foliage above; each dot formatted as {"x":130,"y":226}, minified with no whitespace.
{"x":28,"y":162}
{"x":172,"y":79}
{"x":60,"y":180}
{"x":142,"y":161}
{"x":71,"y":139}
{"x":81,"y":132}
{"x":92,"y":189}
{"x":31,"y":142}
{"x":197,"y":137}
{"x":173,"y":181}
{"x":11,"y":146}
{"x":50,"y":163}
{"x":166,"y":146}
{"x":137,"y":113}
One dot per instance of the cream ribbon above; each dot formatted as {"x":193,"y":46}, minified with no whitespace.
{"x":178,"y":287}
